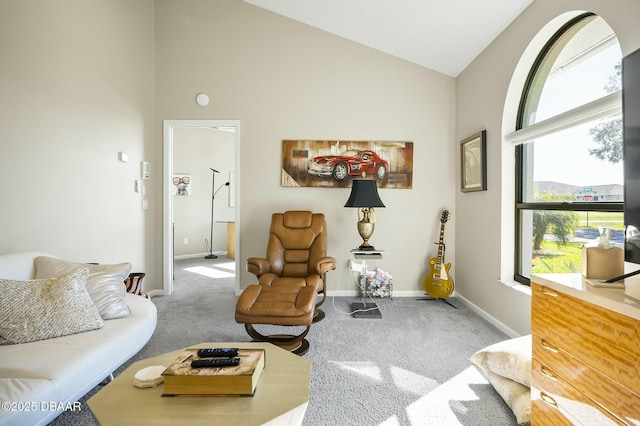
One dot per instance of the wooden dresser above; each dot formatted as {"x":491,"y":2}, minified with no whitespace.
{"x":586,"y":353}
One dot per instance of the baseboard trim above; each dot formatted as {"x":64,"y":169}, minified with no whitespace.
{"x":196,"y":255}
{"x":155,"y":292}
{"x":495,"y":322}
{"x":416,"y":293}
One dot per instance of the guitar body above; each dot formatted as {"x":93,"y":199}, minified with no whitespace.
{"x":438,"y":283}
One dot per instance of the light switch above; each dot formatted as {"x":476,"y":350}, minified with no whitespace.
{"x":145,"y":170}
{"x":137,"y":185}
{"x":122,"y":156}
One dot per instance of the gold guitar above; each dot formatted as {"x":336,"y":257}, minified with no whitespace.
{"x":438,"y":283}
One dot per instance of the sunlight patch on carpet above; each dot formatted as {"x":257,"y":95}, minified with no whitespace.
{"x":391,"y":421}
{"x":436,"y":407}
{"x":210,"y":272}
{"x":229,"y":266}
{"x":367,"y":369}
{"x":411,"y":382}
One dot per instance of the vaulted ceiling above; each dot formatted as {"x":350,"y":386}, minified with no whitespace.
{"x":444,"y":35}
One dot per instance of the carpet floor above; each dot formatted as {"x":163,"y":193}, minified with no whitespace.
{"x":411,"y":367}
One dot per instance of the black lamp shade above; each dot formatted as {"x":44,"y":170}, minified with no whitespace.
{"x":364,"y":193}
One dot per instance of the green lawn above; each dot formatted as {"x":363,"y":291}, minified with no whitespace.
{"x":568,"y":258}
{"x":558,"y":259}
{"x":601,"y":220}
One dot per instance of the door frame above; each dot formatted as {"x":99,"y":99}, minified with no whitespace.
{"x":167,"y":198}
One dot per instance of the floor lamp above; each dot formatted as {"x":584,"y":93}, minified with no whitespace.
{"x":213,"y":197}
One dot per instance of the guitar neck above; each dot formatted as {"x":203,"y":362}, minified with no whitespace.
{"x":441,"y":245}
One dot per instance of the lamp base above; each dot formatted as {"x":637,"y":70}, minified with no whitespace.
{"x":211,"y":256}
{"x":366,"y":247}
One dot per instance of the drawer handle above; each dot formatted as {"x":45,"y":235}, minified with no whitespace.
{"x":546,"y":398}
{"x":549,"y":347}
{"x":548,"y":374}
{"x":548,"y":292}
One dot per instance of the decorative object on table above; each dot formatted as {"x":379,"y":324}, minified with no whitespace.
{"x":473,"y":163}
{"x":364,"y":196}
{"x":323,"y":163}
{"x":180,"y":378}
{"x":601,"y":259}
{"x":149,"y":377}
{"x":214,"y":191}
{"x":181,"y":184}
{"x":438,"y":283}
{"x":379,"y":283}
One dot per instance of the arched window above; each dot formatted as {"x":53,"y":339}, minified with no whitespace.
{"x":568,"y":143}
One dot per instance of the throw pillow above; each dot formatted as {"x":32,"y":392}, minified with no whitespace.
{"x":43,"y":309}
{"x":517,"y":397}
{"x":509,"y":358}
{"x":105,"y":283}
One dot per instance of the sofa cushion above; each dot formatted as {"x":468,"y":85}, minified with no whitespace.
{"x":105,"y":283}
{"x":42,"y":309}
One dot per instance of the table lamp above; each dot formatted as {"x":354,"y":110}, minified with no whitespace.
{"x":364,"y":196}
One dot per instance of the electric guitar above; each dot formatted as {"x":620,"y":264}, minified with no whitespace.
{"x":438,"y":284}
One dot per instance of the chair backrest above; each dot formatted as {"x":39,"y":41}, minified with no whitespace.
{"x":296,"y":240}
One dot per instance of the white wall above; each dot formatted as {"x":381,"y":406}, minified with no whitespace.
{"x":286,"y":80}
{"x":77,"y":87}
{"x":196,"y":151}
{"x":487,"y":98}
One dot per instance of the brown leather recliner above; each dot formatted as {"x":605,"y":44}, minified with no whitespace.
{"x":296,"y":254}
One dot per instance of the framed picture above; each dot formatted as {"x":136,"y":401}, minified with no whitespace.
{"x":473,"y":163}
{"x":181,"y":184}
{"x":334,"y":164}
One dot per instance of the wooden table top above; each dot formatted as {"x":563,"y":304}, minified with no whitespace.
{"x":281,"y":396}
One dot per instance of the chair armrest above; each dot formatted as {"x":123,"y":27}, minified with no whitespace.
{"x":258,"y":266}
{"x":325,"y":264}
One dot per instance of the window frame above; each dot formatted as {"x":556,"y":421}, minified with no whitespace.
{"x":520,"y":205}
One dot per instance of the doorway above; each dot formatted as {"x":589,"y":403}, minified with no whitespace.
{"x":169,"y":145}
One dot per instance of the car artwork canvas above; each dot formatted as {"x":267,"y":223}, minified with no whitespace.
{"x":324,"y":163}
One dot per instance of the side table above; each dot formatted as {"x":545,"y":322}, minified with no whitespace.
{"x":365,"y":309}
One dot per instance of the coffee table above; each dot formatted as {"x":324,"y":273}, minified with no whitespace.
{"x":281,"y":396}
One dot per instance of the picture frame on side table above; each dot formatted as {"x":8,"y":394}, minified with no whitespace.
{"x":473,"y":162}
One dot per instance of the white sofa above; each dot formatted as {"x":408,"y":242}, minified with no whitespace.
{"x":39,"y":380}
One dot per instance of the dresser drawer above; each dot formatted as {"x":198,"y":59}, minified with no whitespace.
{"x":619,"y":400}
{"x":604,"y":340}
{"x":547,"y":413}
{"x":549,"y":388}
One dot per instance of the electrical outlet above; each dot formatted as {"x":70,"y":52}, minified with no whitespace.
{"x":186,"y":241}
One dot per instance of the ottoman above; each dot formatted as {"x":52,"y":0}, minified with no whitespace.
{"x":280,"y":306}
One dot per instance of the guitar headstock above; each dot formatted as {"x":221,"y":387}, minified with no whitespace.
{"x":445,"y":216}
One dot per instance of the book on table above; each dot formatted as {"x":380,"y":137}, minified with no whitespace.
{"x":181,"y":379}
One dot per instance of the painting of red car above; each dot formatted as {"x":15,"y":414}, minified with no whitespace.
{"x":351,"y":163}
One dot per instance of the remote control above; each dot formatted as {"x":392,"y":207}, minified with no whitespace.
{"x":218,"y":352}
{"x":215,"y":362}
